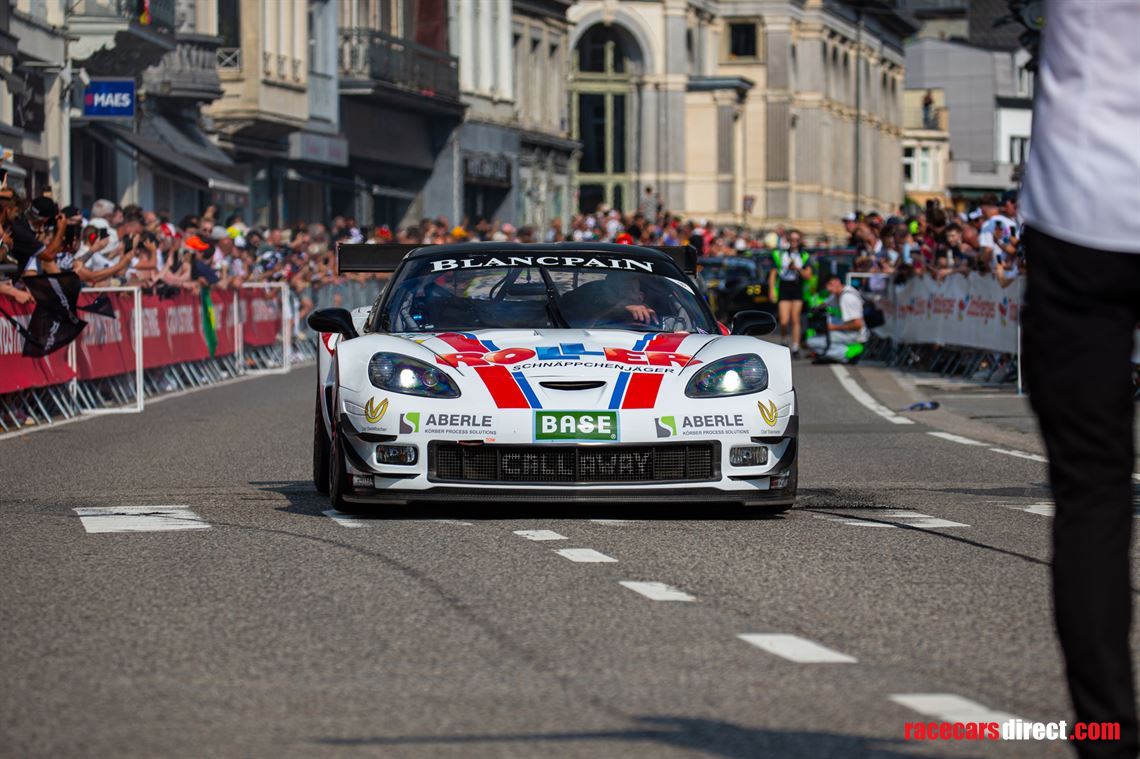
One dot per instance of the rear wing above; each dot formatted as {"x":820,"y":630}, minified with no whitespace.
{"x":685,"y":256}
{"x":363,"y":257}
{"x":374,"y":259}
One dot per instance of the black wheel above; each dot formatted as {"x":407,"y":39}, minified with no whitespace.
{"x":321,"y":448}
{"x":339,"y":483}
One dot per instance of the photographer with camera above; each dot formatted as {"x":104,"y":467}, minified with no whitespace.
{"x":33,"y":237}
{"x":843,"y":331}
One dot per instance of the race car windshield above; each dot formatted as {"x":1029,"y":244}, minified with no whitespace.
{"x":542,"y":292}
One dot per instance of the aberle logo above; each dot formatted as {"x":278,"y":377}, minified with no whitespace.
{"x":703,"y":424}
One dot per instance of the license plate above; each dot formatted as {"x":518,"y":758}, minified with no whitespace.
{"x":576,"y":425}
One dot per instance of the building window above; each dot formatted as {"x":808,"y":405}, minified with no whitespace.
{"x":1018,"y":150}
{"x":742,"y":40}
{"x":229,"y":23}
{"x":925,"y":168}
{"x":603,"y":108}
{"x":908,"y":165}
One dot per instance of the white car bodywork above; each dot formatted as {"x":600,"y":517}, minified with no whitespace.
{"x":513,"y":393}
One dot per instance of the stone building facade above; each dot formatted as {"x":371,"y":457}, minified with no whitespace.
{"x":740,"y":111}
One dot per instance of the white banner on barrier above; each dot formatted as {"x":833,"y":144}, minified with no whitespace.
{"x":973,"y":311}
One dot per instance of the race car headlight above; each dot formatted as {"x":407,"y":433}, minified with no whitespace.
{"x":735,"y":375}
{"x":401,"y":374}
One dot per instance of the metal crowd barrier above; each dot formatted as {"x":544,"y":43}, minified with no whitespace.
{"x":127,"y":393}
{"x":947,"y":361}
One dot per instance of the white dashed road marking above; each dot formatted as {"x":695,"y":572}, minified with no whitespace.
{"x":345,"y":520}
{"x":612,"y":522}
{"x":948,"y":707}
{"x":139,"y":519}
{"x":955,"y":438}
{"x":891,"y":518}
{"x":1020,"y":454}
{"x":797,"y":649}
{"x":864,"y":398}
{"x":1044,"y":509}
{"x":584,"y":555}
{"x":657,"y":591}
{"x":540,"y":535}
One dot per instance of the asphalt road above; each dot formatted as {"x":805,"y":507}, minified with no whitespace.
{"x":271,"y":629}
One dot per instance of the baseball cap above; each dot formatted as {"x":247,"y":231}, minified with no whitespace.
{"x":1009,"y":196}
{"x":850,"y":217}
{"x":219,"y":233}
{"x":975,"y":214}
{"x":43,"y":208}
{"x":195,"y":243}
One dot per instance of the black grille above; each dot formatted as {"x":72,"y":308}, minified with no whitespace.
{"x":573,"y":464}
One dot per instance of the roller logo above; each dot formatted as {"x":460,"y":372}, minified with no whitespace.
{"x":666,"y":426}
{"x":374,"y":412}
{"x":768,"y":413}
{"x":409,"y":423}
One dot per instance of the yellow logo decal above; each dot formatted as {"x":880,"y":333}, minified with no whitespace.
{"x":373,"y":412}
{"x":768,"y":413}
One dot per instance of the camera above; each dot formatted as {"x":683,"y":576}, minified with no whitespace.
{"x":93,"y":234}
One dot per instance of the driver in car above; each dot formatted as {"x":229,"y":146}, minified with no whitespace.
{"x":627,"y":301}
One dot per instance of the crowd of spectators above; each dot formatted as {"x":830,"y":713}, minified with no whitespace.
{"x":938,"y":242}
{"x":129,"y":245}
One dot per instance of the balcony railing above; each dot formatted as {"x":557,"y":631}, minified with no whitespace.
{"x":160,"y":14}
{"x":229,"y":58}
{"x":369,"y":54}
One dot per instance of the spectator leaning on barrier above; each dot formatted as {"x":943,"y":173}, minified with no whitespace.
{"x":843,"y":338}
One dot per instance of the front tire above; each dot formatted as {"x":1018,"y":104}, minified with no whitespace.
{"x":321,"y":451}
{"x":339,"y":483}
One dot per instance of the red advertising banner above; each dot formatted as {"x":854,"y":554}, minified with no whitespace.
{"x":172,"y":332}
{"x":106,"y":346}
{"x":177,"y":328}
{"x":17,"y":372}
{"x":261,"y":315}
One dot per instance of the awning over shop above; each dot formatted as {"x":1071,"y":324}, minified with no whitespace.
{"x":160,"y":153}
{"x":185,"y":138}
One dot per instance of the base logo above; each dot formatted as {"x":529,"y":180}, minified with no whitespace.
{"x":666,"y":426}
{"x":768,"y":413}
{"x":409,"y":423}
{"x":374,"y":412}
{"x":576,"y":426}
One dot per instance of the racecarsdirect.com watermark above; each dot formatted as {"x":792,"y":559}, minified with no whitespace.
{"x":1011,"y":730}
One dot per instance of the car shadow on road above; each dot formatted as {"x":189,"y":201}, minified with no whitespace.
{"x":709,"y":737}
{"x":303,"y":499}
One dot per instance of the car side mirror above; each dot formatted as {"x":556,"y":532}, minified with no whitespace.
{"x":337,"y":320}
{"x":755,"y":323}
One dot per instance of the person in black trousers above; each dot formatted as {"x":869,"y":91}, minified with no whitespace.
{"x":1082,"y":306}
{"x":1081,"y":208}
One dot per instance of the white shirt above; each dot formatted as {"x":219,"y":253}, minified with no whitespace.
{"x":1082,"y":184}
{"x":989,"y":232}
{"x":849,"y":304}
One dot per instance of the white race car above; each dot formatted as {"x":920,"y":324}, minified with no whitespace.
{"x":557,"y":372}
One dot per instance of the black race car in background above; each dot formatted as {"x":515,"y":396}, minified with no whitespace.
{"x":736,"y":283}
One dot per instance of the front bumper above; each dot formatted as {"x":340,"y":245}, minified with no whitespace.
{"x":774,"y":484}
